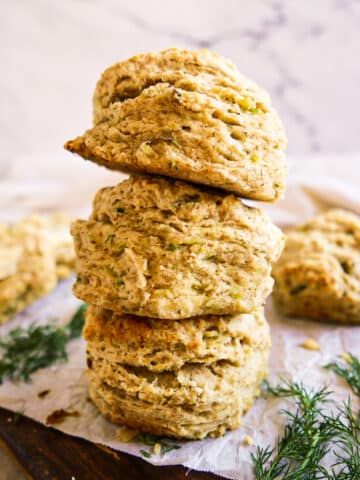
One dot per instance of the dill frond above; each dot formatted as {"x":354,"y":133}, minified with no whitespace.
{"x":166,"y":444}
{"x":349,"y":371}
{"x":311,"y":433}
{"x":305,"y":441}
{"x":26,"y":350}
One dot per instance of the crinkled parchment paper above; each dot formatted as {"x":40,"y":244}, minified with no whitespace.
{"x":228,"y":456}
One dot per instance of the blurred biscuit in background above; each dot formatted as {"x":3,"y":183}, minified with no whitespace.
{"x":318,"y":274}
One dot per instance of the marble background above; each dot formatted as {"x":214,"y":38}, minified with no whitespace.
{"x":304,"y":52}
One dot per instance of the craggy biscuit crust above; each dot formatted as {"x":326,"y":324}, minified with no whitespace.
{"x":167,"y":249}
{"x":161,"y":345}
{"x":56,"y":228}
{"x":27,"y":269}
{"x":191,"y":399}
{"x":318,"y":274}
{"x":187,"y":115}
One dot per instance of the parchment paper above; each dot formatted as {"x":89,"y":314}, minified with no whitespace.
{"x":228,"y":456}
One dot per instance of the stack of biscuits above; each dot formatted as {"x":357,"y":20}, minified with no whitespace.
{"x":176,"y":274}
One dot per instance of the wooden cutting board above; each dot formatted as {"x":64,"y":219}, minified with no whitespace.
{"x":47,"y":454}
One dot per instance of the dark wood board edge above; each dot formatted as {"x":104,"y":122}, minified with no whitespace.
{"x":48,"y":454}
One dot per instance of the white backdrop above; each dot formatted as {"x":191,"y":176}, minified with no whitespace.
{"x":305,"y":53}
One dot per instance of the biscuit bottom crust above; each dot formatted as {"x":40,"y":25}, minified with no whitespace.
{"x":197,"y":399}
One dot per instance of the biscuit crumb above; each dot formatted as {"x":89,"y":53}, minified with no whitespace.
{"x":157,"y":448}
{"x":346,"y":356}
{"x":248,"y":440}
{"x":108,"y":450}
{"x":58,"y":416}
{"x":125,"y":434}
{"x":220,"y":432}
{"x":311,"y":344}
{"x":63,"y":272}
{"x":44,"y":393}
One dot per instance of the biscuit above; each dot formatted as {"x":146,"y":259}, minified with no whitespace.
{"x":318,"y":274}
{"x":56,"y":228}
{"x":167,"y":249}
{"x":202,"y":71}
{"x":27,"y":269}
{"x":205,"y":124}
{"x":198,"y":398}
{"x":161,"y":345}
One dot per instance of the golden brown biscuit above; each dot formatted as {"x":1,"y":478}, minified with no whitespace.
{"x":162,"y":345}
{"x":318,"y":274}
{"x":56,"y":228}
{"x":167,"y":249}
{"x":190,"y":399}
{"x":202,"y":122}
{"x":27,"y":269}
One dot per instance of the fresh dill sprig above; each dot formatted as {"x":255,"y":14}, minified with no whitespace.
{"x":145,"y":453}
{"x":26,"y":350}
{"x":74,"y":328}
{"x":166,"y":444}
{"x":311,"y":433}
{"x":346,"y":444}
{"x":347,"y":423}
{"x":17,"y":416}
{"x":349,"y":371}
{"x":304,"y":443}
